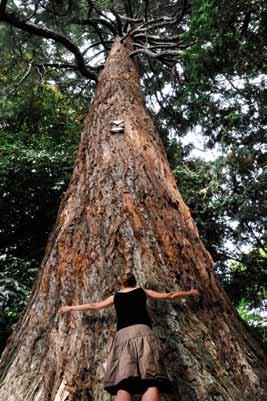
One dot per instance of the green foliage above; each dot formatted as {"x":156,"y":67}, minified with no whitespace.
{"x":104,"y":4}
{"x":40,"y":118}
{"x":253,"y":319}
{"x":39,"y":138}
{"x":206,"y":190}
{"x":224,"y":94}
{"x":227,"y":37}
{"x":248,"y":315}
{"x":31,"y":186}
{"x":16,"y":278}
{"x":200,"y":184}
{"x":40,"y":132}
{"x":247,"y":279}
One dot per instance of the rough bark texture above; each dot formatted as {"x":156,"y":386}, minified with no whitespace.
{"x":123,"y":210}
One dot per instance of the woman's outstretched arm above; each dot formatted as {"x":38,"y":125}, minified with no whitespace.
{"x":85,"y":307}
{"x":171,"y":295}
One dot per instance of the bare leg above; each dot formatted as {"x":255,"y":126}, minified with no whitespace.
{"x":151,"y":394}
{"x":123,"y":395}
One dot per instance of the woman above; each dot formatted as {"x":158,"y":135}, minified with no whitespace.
{"x":135,"y":364}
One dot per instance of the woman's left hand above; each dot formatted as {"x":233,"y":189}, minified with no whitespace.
{"x":193,"y":292}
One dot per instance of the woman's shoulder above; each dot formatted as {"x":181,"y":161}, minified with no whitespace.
{"x":137,"y":292}
{"x":130,"y":291}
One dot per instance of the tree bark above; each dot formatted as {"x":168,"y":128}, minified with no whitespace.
{"x":123,"y":210}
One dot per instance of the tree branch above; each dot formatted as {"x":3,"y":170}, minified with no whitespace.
{"x":164,"y":21}
{"x":258,"y":241}
{"x":99,"y":12}
{"x":54,"y":12}
{"x":91,"y":47}
{"x":94,"y":21}
{"x":118,"y":20}
{"x":132,"y":20}
{"x":102,"y":40}
{"x":146,"y":9}
{"x":96,"y":54}
{"x":3,"y":5}
{"x":128,"y":8}
{"x":34,"y":11}
{"x":181,"y":12}
{"x":27,"y":73}
{"x":152,"y":54}
{"x":164,"y":45}
{"x":143,"y":32}
{"x":65,"y":65}
{"x":13,"y":20}
{"x":154,"y":38}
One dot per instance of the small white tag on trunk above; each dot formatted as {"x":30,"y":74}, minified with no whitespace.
{"x":117,"y":126}
{"x":117,"y":122}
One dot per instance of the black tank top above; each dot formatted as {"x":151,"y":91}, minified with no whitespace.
{"x":131,"y":308}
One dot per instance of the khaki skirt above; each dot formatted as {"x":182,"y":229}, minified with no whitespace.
{"x":135,"y":362}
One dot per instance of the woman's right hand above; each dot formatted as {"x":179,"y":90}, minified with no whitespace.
{"x":65,"y":308}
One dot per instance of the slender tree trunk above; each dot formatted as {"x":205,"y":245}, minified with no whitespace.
{"x":123,"y":210}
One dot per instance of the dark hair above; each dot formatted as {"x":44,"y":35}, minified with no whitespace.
{"x":127,"y":279}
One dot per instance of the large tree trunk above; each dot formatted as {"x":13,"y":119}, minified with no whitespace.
{"x":123,"y":210}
